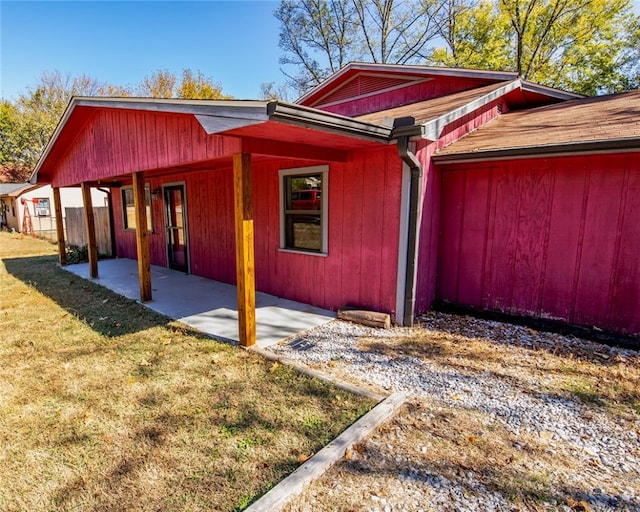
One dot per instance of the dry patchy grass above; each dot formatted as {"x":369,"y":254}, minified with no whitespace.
{"x":105,"y":405}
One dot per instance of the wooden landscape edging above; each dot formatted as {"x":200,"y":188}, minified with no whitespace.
{"x":347,"y":386}
{"x":321,"y":462}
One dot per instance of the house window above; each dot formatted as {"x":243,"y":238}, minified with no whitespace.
{"x":42,"y":206}
{"x":303,"y":205}
{"x":128,"y":209}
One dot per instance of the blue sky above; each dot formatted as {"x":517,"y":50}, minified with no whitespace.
{"x":233,"y":42}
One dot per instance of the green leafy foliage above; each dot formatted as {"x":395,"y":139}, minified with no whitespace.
{"x":585,"y":46}
{"x":27,"y":124}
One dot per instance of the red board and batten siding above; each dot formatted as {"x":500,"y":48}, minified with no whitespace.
{"x":403,"y":96}
{"x":360,"y":268}
{"x":115,"y":142}
{"x":554,"y":238}
{"x":430,"y":232}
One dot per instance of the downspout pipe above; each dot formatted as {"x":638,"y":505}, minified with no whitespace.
{"x":415,"y":191}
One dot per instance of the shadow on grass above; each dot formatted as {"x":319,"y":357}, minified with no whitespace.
{"x":104,"y":311}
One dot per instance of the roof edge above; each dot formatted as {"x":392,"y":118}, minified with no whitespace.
{"x":307,"y":117}
{"x":549,"y":150}
{"x":405,"y":68}
{"x":243,"y":109}
{"x":432,"y":129}
{"x":550,"y":91}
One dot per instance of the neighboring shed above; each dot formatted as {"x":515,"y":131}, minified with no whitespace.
{"x":38,"y":200}
{"x":333,"y":201}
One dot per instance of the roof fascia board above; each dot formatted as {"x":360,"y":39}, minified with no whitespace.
{"x":413,"y":70}
{"x":238,"y":113}
{"x":298,"y":115}
{"x":25,"y":190}
{"x":218,"y":124}
{"x":432,"y":130}
{"x":550,"y":91}
{"x":629,"y":145}
{"x":224,"y":108}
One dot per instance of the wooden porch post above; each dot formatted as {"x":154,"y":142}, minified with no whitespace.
{"x":142,"y":237}
{"x":57,"y":206}
{"x":245,"y":268}
{"x":90,"y":225}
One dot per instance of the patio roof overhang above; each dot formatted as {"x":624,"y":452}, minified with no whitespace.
{"x":276,"y":128}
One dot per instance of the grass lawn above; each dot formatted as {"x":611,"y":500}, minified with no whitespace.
{"x":106,"y":405}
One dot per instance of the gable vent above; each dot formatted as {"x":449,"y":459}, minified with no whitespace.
{"x":364,"y":85}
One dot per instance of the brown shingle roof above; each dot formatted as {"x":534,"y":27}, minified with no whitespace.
{"x":424,"y":111}
{"x":609,"y":118}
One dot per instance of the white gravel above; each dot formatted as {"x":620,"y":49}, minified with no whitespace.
{"x":607,"y":447}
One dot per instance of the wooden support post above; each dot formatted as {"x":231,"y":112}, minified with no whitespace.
{"x":57,"y":206}
{"x":90,"y":225}
{"x":245,"y":267}
{"x":142,"y":237}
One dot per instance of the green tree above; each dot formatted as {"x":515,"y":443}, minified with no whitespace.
{"x":11,"y":168}
{"x":27,"y":124}
{"x":160,"y":84}
{"x":578,"y":45}
{"x":199,"y":86}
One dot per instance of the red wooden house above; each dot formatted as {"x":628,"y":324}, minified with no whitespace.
{"x":372,"y":191}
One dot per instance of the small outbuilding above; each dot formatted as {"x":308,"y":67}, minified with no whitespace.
{"x":385,"y":188}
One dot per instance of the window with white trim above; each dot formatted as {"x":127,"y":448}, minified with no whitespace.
{"x":129,"y":211}
{"x":303,"y":209}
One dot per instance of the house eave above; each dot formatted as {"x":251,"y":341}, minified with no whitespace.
{"x":306,"y":117}
{"x":550,"y":91}
{"x":547,"y":150}
{"x":405,"y":69}
{"x":220,"y":116}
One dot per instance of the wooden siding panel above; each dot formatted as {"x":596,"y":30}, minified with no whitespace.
{"x":505,"y":229}
{"x":334,"y":263}
{"x":597,"y":262}
{"x":472,"y":240}
{"x":531,"y":239}
{"x":558,"y":291}
{"x":430,"y":225}
{"x":453,"y":199}
{"x":561,"y":239}
{"x":391,"y":196}
{"x":372,"y":232}
{"x":211,"y":227}
{"x":439,"y":86}
{"x":119,"y":142}
{"x":352,"y":233}
{"x":624,"y":306}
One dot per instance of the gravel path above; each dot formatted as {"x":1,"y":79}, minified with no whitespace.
{"x":484,"y":430}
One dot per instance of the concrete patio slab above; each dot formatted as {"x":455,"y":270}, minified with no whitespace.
{"x":209,"y":306}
